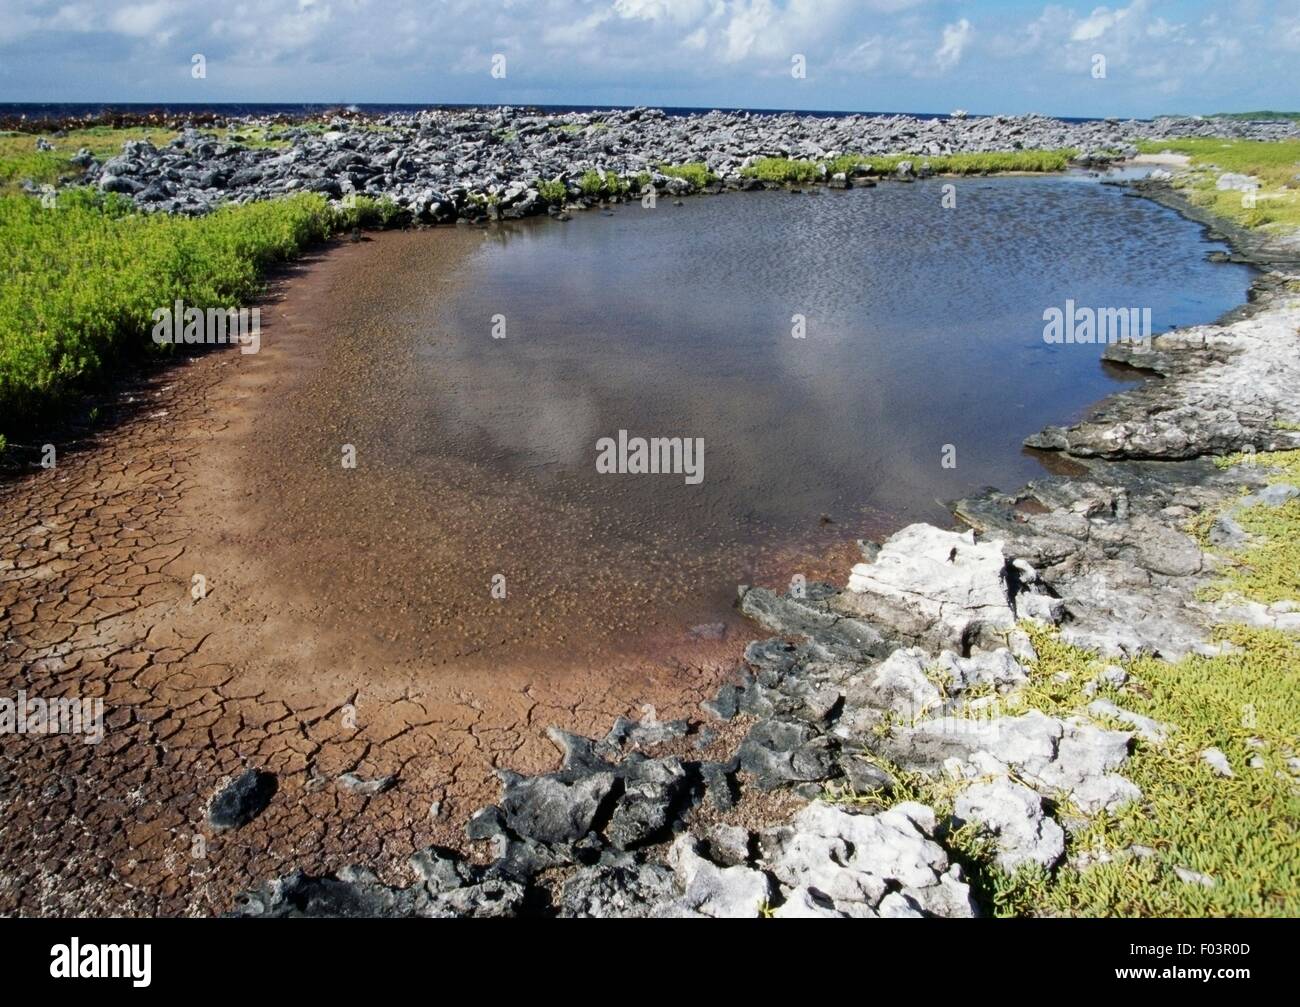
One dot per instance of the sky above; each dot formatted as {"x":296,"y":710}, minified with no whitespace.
{"x":987,"y":56}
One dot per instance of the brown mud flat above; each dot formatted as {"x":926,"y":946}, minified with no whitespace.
{"x":338,"y":632}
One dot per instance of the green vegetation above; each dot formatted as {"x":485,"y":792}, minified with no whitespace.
{"x":1003,"y":160}
{"x":253,"y":137}
{"x":980,"y":164}
{"x":553,"y":191}
{"x":846,"y":164}
{"x":83,"y":278}
{"x":1239,"y":830}
{"x":695,"y":172}
{"x":20,"y":160}
{"x":782,"y":170}
{"x":1267,"y":569}
{"x":574,"y":128}
{"x":1275,"y":164}
{"x":794,"y":172}
{"x":594,"y":187}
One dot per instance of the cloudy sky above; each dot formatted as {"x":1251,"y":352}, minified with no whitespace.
{"x":877,"y":55}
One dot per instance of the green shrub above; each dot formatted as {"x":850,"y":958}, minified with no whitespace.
{"x":85,"y":277}
{"x":595,"y":187}
{"x":591,"y":184}
{"x":20,"y":160}
{"x":1275,"y":164}
{"x":782,"y":170}
{"x":366,"y":211}
{"x":845,"y":163}
{"x":553,"y":191}
{"x":695,"y":172}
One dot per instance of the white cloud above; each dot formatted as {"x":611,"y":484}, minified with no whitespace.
{"x":138,"y":19}
{"x":1097,"y":24}
{"x":955,"y":38}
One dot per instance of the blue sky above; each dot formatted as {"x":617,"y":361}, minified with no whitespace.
{"x":879,"y":55}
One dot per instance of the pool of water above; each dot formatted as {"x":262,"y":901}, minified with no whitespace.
{"x":919,"y":368}
{"x":923,"y":327}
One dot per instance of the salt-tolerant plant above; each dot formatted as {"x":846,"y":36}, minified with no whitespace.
{"x":1276,"y":166}
{"x":552,"y":191}
{"x":84,"y":279}
{"x":695,"y":172}
{"x":782,"y":170}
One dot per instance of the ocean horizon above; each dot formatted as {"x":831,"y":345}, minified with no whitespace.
{"x":62,"y":109}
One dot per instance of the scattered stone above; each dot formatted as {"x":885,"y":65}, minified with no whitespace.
{"x":1191,"y":877}
{"x":776,"y":752}
{"x":548,"y":809}
{"x":849,"y":863}
{"x":242,"y":800}
{"x":1146,"y":728}
{"x":644,"y":733}
{"x":728,"y":845}
{"x":1217,"y":761}
{"x":366,"y":788}
{"x":725,"y":705}
{"x":710,"y":890}
{"x":941,"y":590}
{"x":1015,"y":816}
{"x":1058,"y":758}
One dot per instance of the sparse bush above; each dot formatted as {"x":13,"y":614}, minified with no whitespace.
{"x":553,"y":191}
{"x":595,"y":187}
{"x":782,"y":170}
{"x":84,"y":278}
{"x":695,"y":172}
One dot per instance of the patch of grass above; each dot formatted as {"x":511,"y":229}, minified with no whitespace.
{"x":1277,"y":160}
{"x":253,"y":137}
{"x":796,"y":172}
{"x":553,"y":191}
{"x":984,"y":163}
{"x":20,"y":160}
{"x":846,"y":163}
{"x":695,"y":172}
{"x":84,"y":278}
{"x":594,"y":187}
{"x":1275,"y":164}
{"x":1268,"y":568}
{"x":782,"y":170}
{"x":1239,"y":831}
{"x":366,"y":211}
